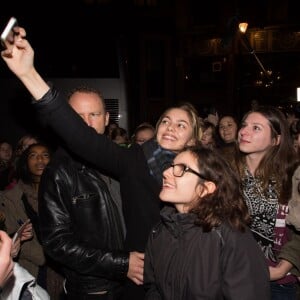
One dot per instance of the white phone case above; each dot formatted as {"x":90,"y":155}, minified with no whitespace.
{"x":8,"y":30}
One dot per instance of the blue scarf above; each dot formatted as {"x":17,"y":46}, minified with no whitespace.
{"x":158,"y":159}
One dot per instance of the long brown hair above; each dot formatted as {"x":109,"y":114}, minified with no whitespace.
{"x":279,"y":158}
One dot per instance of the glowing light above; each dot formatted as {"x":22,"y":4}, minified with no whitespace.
{"x":243,"y":27}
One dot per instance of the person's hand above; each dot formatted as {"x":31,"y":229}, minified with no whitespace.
{"x":6,"y":263}
{"x":280,"y":270}
{"x":20,"y":60}
{"x":213,"y":118}
{"x":136,"y":267}
{"x":20,"y":57}
{"x":27,"y":233}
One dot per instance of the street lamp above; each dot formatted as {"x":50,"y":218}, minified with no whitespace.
{"x":267,"y":73}
{"x":243,"y":27}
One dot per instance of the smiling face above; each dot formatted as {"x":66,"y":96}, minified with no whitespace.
{"x":228,"y":129}
{"x":175,"y":130}
{"x":181,"y":191}
{"x":255,"y":135}
{"x":189,"y":186}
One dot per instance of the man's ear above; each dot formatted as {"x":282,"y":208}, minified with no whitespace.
{"x":106,"y":118}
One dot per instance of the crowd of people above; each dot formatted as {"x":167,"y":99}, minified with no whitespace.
{"x":190,"y":208}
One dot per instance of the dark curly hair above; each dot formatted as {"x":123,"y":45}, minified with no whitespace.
{"x":226,"y":203}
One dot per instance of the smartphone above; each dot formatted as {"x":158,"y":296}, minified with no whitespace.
{"x":20,"y":230}
{"x":7,"y":35}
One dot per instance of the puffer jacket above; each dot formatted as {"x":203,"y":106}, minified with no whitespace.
{"x":81,"y":227}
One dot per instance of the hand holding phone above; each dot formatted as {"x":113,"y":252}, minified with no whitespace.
{"x":8,"y":34}
{"x":20,"y":231}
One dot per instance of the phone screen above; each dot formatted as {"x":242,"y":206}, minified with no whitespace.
{"x":7,"y":35}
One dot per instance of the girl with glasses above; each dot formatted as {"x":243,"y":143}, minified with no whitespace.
{"x":138,"y":168}
{"x":202,"y":248}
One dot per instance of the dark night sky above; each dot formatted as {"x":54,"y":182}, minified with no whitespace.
{"x":72,"y":39}
{"x":67,"y":40}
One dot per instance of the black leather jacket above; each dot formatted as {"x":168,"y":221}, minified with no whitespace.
{"x":81,"y":226}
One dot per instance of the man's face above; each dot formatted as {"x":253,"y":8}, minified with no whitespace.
{"x":90,"y":107}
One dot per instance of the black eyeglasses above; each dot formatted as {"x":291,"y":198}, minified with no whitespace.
{"x":180,"y":169}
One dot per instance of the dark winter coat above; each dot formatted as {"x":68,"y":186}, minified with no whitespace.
{"x":81,"y":227}
{"x":183,"y":262}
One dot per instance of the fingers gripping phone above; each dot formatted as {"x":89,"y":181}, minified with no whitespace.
{"x":7,"y":35}
{"x":20,"y":230}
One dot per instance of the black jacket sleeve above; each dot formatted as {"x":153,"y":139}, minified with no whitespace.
{"x":109,"y":157}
